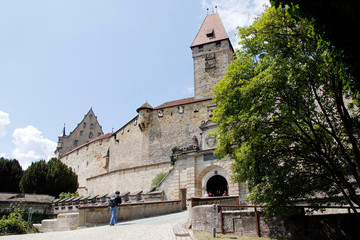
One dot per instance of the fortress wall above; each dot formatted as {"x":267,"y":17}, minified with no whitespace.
{"x":134,"y":147}
{"x":89,"y":160}
{"x":126,"y":180}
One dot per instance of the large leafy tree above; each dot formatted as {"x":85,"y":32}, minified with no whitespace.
{"x":338,"y":22}
{"x":286,"y":117}
{"x":52,"y":177}
{"x":10,"y":175}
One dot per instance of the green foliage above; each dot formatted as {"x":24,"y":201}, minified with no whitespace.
{"x":282,"y":116}
{"x":14,"y":223}
{"x":335,"y":21}
{"x":68,"y":195}
{"x":60,"y":178}
{"x":10,"y":175}
{"x":34,"y":178}
{"x":50,"y":178}
{"x":158,"y":179}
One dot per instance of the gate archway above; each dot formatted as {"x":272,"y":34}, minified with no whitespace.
{"x":217,"y":185}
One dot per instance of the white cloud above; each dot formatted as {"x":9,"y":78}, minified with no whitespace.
{"x":188,"y":90}
{"x":4,"y":120}
{"x":31,"y":146}
{"x":235,"y":13}
{"x":3,"y":154}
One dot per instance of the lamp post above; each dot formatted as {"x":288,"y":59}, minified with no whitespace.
{"x":31,"y":210}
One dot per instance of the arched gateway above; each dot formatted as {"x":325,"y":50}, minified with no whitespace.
{"x":217,"y":185}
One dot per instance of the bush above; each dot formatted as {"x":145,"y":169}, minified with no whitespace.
{"x":158,"y":179}
{"x":68,"y":195}
{"x":14,"y":223}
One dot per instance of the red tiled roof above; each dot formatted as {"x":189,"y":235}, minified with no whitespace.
{"x":107,"y":135}
{"x":212,"y":25}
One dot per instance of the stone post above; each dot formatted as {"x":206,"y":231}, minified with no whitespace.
{"x":213,"y":222}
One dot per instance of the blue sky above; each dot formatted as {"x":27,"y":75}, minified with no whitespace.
{"x":59,"y":58}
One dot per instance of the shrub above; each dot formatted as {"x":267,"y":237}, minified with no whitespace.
{"x":14,"y":223}
{"x":68,"y":195}
{"x":158,"y":179}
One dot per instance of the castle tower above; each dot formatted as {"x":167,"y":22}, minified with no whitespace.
{"x":87,"y":130}
{"x":212,"y":53}
{"x":144,"y":116}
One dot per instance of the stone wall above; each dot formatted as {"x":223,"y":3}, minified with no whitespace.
{"x":39,"y":203}
{"x":130,"y":158}
{"x":168,"y":127}
{"x":94,"y":215}
{"x":126,"y":180}
{"x":89,"y":160}
{"x":243,"y":222}
{"x":63,"y":222}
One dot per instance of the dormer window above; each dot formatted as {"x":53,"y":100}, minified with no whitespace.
{"x":210,"y":34}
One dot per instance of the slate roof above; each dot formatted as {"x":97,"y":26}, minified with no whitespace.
{"x":144,"y":106}
{"x":211,"y":30}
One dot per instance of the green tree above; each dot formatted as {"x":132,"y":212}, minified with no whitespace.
{"x":335,"y":20}
{"x":60,"y":178}
{"x":50,"y":178}
{"x":286,"y":117}
{"x":10,"y":175}
{"x":34,"y":178}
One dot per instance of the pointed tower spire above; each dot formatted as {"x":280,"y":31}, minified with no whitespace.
{"x":211,"y":30}
{"x":64,"y":133}
{"x":212,"y":53}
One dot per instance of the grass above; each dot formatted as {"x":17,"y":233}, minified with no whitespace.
{"x":200,"y":235}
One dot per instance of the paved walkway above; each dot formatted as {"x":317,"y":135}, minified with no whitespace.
{"x":166,"y":227}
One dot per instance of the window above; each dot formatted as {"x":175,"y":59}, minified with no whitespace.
{"x":84,"y":125}
{"x":75,"y":142}
{"x":201,"y":48}
{"x":90,"y":116}
{"x":218,"y":44}
{"x":92,"y":126}
{"x":99,"y":134}
{"x":91,"y":135}
{"x":210,"y":34}
{"x":209,"y":157}
{"x":81,"y":133}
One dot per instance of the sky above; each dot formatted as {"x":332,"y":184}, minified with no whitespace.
{"x":59,"y":58}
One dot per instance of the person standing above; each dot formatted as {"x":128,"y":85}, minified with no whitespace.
{"x":113,"y":204}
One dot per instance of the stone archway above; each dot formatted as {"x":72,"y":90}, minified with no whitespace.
{"x":217,"y":185}
{"x":208,"y":173}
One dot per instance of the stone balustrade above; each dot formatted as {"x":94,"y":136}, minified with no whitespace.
{"x":68,"y":205}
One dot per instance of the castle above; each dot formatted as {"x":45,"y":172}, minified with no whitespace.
{"x":172,"y":138}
